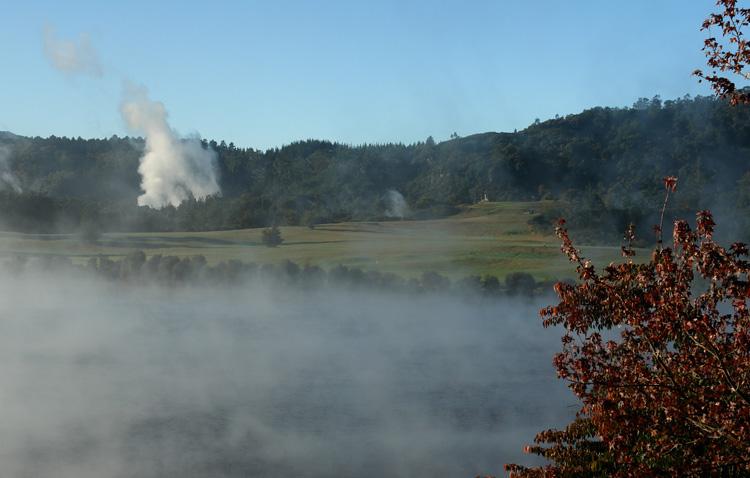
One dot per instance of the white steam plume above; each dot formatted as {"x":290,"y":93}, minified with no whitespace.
{"x":7,"y":178}
{"x":172,"y":169}
{"x":397,"y":206}
{"x":71,"y":57}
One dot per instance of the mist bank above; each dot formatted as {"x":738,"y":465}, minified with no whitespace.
{"x":605,"y":163}
{"x":103,"y":379}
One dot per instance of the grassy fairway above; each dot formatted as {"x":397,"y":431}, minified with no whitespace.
{"x":490,"y":238}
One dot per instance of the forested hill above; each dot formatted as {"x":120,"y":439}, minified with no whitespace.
{"x":606,"y":162}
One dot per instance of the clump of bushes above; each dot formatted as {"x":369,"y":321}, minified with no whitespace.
{"x":271,"y":236}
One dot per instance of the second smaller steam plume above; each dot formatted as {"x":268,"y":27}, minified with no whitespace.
{"x":397,"y":206}
{"x":172,"y":169}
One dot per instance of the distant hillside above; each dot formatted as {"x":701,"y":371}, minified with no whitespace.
{"x":606,"y":163}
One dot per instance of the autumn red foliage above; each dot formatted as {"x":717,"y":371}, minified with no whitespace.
{"x":659,"y":355}
{"x":658,"y":352}
{"x":728,"y":54}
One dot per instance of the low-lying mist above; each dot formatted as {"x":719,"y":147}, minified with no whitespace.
{"x":105,"y":380}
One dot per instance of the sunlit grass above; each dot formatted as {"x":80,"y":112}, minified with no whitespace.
{"x":489,"y":238}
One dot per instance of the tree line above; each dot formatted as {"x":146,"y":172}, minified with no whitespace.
{"x":601,"y":164}
{"x":175,"y":271}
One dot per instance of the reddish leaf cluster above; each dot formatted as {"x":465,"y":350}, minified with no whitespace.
{"x":575,"y":451}
{"x":659,"y":352}
{"x":730,"y":54}
{"x":659,"y":355}
{"x":670,"y":183}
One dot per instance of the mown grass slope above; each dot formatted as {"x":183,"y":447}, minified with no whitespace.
{"x":488,"y":238}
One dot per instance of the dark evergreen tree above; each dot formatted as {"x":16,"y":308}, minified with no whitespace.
{"x":271,"y":236}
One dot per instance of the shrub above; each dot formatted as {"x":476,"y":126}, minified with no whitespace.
{"x":271,"y":236}
{"x":520,"y":283}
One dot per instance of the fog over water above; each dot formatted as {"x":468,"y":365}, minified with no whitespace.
{"x":101,"y":380}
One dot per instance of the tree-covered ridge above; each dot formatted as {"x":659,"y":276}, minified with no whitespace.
{"x":603,"y":161}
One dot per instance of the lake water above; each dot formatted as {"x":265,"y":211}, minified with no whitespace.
{"x":99,"y":380}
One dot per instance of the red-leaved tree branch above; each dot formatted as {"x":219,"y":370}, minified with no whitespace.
{"x":658,"y":352}
{"x":728,"y":53}
{"x":659,"y":355}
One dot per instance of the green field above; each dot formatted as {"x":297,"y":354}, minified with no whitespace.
{"x":490,"y":238}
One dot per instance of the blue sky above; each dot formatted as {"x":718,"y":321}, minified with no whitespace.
{"x":264,"y":73}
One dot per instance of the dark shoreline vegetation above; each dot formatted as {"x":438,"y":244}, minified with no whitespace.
{"x":175,"y":271}
{"x":602,"y":165}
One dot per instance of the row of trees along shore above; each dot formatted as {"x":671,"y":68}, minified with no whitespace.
{"x":137,"y":268}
